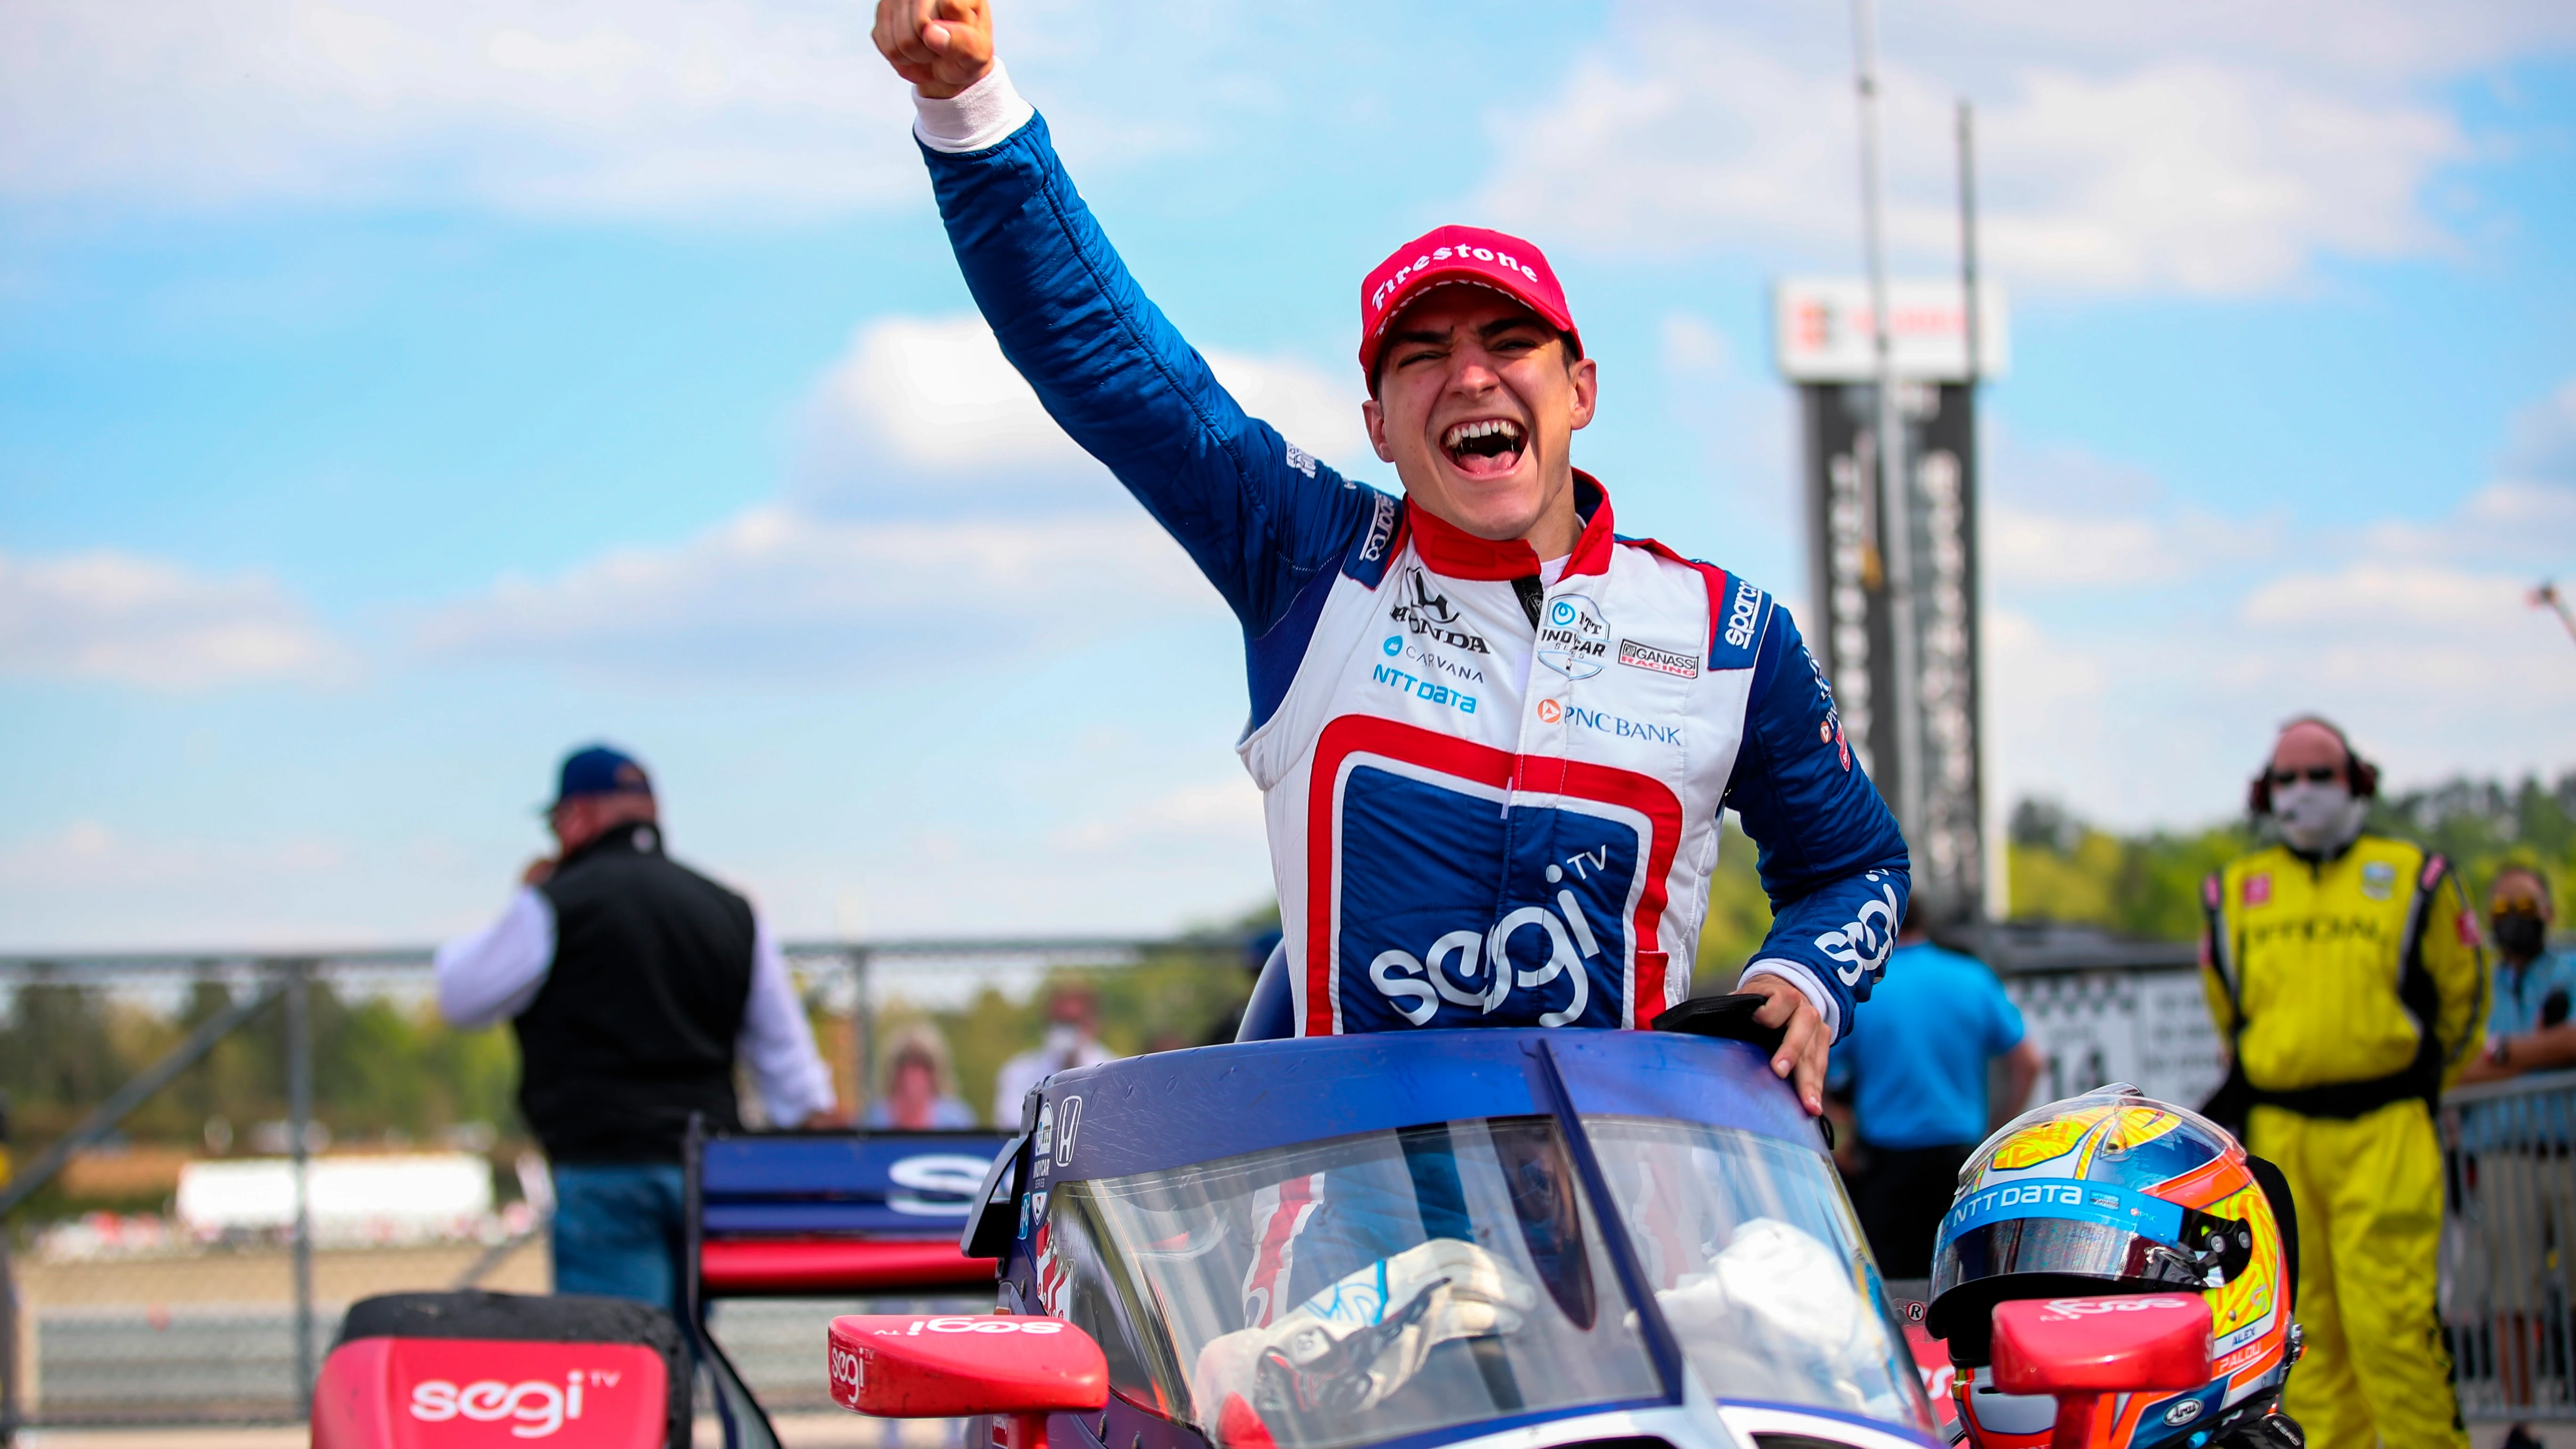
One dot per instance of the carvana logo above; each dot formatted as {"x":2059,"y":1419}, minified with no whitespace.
{"x":1393,"y":646}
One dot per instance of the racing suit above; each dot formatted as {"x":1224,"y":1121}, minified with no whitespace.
{"x":2352,"y":988}
{"x":1492,"y":784}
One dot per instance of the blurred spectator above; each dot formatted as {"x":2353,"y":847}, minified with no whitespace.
{"x":632,"y":983}
{"x":1915,"y":1065}
{"x":2527,"y":1027}
{"x":919,"y":1093}
{"x":1072,"y":1040}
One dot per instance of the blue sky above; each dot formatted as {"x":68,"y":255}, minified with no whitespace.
{"x":394,"y":394}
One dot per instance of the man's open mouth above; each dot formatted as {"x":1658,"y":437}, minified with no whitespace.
{"x":1485,"y":448}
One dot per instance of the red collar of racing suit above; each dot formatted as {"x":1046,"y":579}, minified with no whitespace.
{"x":1455,"y":553}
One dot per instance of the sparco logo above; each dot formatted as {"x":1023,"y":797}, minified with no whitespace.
{"x":1739,"y":618}
{"x":1381,"y":528}
{"x":1428,"y":613}
{"x":533,"y":1407}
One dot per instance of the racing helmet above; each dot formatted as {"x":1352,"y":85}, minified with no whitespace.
{"x":2108,"y":1193}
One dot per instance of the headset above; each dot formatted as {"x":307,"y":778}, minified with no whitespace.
{"x":2360,"y":773}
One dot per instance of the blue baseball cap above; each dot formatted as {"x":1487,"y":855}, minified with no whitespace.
{"x":599,"y":770}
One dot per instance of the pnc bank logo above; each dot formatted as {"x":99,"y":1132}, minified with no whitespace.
{"x":1604,"y":722}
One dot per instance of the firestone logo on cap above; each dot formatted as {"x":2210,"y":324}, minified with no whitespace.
{"x":1465,"y":254}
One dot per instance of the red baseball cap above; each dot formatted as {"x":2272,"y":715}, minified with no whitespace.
{"x":1453,"y":254}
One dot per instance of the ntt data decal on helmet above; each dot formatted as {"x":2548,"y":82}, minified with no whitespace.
{"x":1863,"y":946}
{"x":2085,"y":1202}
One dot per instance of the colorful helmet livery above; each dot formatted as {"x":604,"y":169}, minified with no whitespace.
{"x":2111,"y":1193}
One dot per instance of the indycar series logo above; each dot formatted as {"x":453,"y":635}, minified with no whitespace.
{"x":1573,"y":636}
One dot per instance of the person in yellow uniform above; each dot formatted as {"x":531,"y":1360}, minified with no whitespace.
{"x":2345,"y":973}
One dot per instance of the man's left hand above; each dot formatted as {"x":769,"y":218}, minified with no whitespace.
{"x":1802,"y":1051}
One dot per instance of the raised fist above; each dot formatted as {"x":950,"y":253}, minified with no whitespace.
{"x":941,"y":46}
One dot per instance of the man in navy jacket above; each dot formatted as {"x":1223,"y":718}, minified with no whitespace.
{"x":1494,"y":738}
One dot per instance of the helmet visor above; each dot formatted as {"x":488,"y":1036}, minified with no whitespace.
{"x":2059,"y":1246}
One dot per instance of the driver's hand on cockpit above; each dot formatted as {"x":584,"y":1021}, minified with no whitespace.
{"x":1801,"y":1054}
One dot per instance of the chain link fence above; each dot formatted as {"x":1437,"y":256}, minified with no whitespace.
{"x":215,"y":1155}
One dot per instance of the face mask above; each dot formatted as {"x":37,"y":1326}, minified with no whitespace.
{"x":2315,"y":818}
{"x":1061,"y":1039}
{"x":2520,"y":934}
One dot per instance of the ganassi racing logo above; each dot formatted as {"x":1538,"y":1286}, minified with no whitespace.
{"x":1428,"y":613}
{"x":1863,"y":945}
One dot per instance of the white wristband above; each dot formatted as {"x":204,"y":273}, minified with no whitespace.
{"x":984,"y":114}
{"x":1797,"y":974}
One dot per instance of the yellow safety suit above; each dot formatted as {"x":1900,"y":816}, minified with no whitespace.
{"x":2351,"y":990}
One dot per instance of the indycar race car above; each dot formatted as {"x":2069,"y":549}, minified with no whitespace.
{"x":1499,"y":1237}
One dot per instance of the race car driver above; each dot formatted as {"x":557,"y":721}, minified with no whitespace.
{"x":1493,"y":738}
{"x":2344,"y":971}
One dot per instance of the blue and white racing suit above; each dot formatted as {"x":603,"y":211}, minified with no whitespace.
{"x":1493,"y":789}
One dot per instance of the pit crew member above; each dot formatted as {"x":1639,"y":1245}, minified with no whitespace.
{"x":1493,"y":737}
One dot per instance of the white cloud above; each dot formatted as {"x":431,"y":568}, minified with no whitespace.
{"x":2130,"y":149}
{"x":1223,"y":813}
{"x":2140,"y":654}
{"x":785,"y":597}
{"x":926,"y":416}
{"x":117,"y":616}
{"x":586,"y":105}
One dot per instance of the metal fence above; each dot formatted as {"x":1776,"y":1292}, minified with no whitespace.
{"x":2508,"y":1282}
{"x":232,"y":1330}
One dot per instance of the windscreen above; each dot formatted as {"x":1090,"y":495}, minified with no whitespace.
{"x":1761,"y":1270}
{"x":1352,"y":1291}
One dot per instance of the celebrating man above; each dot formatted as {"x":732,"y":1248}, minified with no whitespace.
{"x":1493,"y":738}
